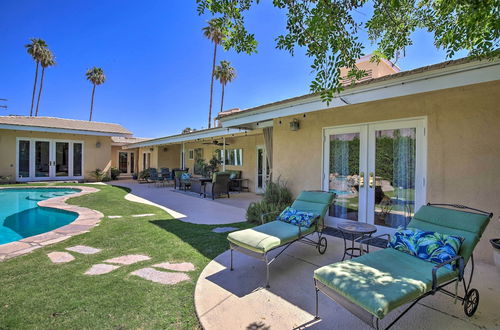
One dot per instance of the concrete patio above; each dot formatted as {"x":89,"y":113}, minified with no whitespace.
{"x":238,"y":299}
{"x":190,"y":207}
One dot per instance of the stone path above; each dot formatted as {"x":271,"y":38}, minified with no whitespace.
{"x":180,"y":267}
{"x":115,"y":216}
{"x":223,"y":229}
{"x":128,"y":259}
{"x":100,"y":269}
{"x":60,"y":257}
{"x":157,"y":276}
{"x":142,"y":215}
{"x":83,"y":249}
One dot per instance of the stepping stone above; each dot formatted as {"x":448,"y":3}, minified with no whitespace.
{"x":160,"y":277}
{"x":180,"y":267}
{"x":142,"y":215}
{"x":128,"y":259}
{"x":83,"y":249}
{"x":60,"y":257}
{"x":224,"y":229}
{"x":100,"y":269}
{"x":114,"y":216}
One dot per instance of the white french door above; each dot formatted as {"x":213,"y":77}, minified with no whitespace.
{"x":126,"y":162}
{"x":45,"y":159}
{"x":376,"y":170}
{"x":262,"y":170}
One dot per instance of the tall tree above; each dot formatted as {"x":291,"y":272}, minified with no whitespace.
{"x":224,"y":73}
{"x":213,"y":32}
{"x":330,"y":30}
{"x":36,"y":50}
{"x":46,"y":60}
{"x":96,"y":77}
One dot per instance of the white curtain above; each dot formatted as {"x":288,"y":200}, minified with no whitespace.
{"x":268,"y":140}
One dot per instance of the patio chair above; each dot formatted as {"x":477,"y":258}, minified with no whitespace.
{"x":218,"y":186}
{"x":180,"y":180}
{"x":374,"y":284}
{"x":154,"y":177}
{"x":259,"y":241}
{"x":166,"y":175}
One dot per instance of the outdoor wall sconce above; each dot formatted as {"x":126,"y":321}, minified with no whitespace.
{"x":165,"y":149}
{"x":98,"y":144}
{"x":151,"y":149}
{"x":294,"y":125}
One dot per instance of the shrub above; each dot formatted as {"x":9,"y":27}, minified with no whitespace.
{"x":114,"y":173}
{"x":144,"y":174}
{"x":276,"y":198}
{"x":97,"y":174}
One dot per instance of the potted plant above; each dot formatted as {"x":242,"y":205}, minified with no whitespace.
{"x":134,"y":176}
{"x":495,"y":242}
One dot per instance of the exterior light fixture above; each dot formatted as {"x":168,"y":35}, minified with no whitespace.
{"x":98,"y":144}
{"x":294,"y":124}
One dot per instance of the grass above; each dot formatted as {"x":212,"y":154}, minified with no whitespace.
{"x":38,"y":294}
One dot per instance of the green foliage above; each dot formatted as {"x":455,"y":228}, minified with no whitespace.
{"x":98,"y":174}
{"x":276,"y":198}
{"x":114,"y":173}
{"x":329,"y":31}
{"x":144,"y":174}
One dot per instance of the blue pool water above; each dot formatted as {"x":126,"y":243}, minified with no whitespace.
{"x":21,"y":217}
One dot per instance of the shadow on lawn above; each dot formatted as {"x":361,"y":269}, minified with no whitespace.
{"x":200,"y":237}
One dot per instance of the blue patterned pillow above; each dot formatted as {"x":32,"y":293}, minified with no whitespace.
{"x":185,"y":176}
{"x":427,"y":245}
{"x":297,"y":218}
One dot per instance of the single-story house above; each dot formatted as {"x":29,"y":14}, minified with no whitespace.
{"x":388,"y":145}
{"x":47,"y":148}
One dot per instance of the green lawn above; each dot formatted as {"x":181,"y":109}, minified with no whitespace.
{"x":34,"y":293}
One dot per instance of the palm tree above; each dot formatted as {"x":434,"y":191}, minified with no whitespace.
{"x":35,"y":49}
{"x":96,"y":77}
{"x":224,"y":73}
{"x":47,"y":60}
{"x":214,"y":34}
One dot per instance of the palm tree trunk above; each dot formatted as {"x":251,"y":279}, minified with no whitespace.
{"x":92,"y":103}
{"x":212,"y":87}
{"x":222,"y":99}
{"x":40,"y":91}
{"x":34,"y":89}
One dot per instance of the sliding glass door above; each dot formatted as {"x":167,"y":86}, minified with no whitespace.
{"x":376,"y":170}
{"x":39,"y":159}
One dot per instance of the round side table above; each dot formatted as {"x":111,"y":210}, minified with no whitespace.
{"x":353,"y":230}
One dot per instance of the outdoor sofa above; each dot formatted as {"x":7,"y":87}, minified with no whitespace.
{"x":259,"y":241}
{"x":374,"y":284}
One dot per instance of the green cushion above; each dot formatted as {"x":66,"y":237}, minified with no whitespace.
{"x":266,"y":237}
{"x":381,"y":281}
{"x":316,"y":202}
{"x":468,"y":225}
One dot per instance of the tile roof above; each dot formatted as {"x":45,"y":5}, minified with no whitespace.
{"x":122,"y":140}
{"x":63,"y":123}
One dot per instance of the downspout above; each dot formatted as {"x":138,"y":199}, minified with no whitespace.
{"x":183,"y":157}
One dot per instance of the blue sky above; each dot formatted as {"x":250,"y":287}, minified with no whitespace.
{"x":156,"y":60}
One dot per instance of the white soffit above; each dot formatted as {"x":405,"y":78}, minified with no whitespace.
{"x":427,"y":81}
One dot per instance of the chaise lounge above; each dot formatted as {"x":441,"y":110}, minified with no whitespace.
{"x":374,"y":284}
{"x":258,"y":241}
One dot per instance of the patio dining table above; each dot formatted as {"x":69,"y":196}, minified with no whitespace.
{"x":197,"y":184}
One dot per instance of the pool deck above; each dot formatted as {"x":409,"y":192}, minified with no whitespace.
{"x":86,"y":220}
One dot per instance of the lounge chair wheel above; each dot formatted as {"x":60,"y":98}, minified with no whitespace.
{"x":471,"y":301}
{"x":322,"y":245}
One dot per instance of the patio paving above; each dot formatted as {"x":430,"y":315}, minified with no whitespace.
{"x":83,"y":249}
{"x":190,"y":207}
{"x":238,"y":299}
{"x":100,"y":269}
{"x":158,"y":276}
{"x":60,"y":257}
{"x":128,"y":259}
{"x":179,"y":267}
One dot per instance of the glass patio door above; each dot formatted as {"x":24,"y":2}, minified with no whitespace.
{"x":43,"y":160}
{"x":377,"y":172}
{"x":123,"y":162}
{"x":345,"y":165}
{"x":262,"y":170}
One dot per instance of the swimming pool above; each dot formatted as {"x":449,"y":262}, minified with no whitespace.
{"x":21,"y":217}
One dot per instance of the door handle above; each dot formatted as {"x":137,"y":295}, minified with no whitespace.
{"x":361,"y":179}
{"x":371,"y":179}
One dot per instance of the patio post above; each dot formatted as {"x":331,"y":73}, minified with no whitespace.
{"x":224,"y":153}
{"x":183,"y":158}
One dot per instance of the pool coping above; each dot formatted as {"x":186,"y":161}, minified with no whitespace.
{"x":86,"y":220}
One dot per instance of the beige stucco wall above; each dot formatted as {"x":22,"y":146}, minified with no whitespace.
{"x":463,"y":137}
{"x":169,"y":156}
{"x":93,"y":157}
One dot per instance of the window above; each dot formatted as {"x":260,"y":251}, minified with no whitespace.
{"x":191,"y":154}
{"x":77,"y":159}
{"x":24,"y":159}
{"x":233,"y":157}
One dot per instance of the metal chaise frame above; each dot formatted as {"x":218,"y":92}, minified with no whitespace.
{"x":321,"y":244}
{"x":470,"y":300}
